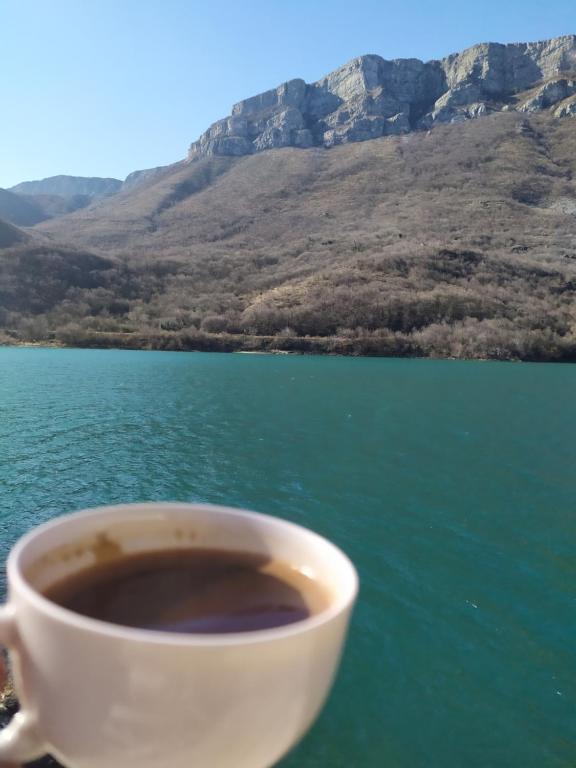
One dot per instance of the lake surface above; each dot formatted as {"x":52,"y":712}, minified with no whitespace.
{"x":450,"y":484}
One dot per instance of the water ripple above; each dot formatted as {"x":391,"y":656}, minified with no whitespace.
{"x":450,"y":484}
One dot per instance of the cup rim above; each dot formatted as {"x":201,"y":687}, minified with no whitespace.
{"x":18,"y":583}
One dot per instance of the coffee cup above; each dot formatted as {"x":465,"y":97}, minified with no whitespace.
{"x":96,"y":694}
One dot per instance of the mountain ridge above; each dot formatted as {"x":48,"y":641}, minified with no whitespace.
{"x":369,"y":97}
{"x":458,"y":241}
{"x":19,"y":210}
{"x":31,"y":202}
{"x":67,"y":186}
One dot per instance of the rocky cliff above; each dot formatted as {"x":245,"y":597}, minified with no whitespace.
{"x":371,"y":97}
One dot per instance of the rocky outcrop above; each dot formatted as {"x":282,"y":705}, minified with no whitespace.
{"x":550,"y":94}
{"x":371,"y":97}
{"x":566,"y":108}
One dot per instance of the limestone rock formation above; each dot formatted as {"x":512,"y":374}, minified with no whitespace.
{"x":551,"y":93}
{"x":566,"y":108}
{"x":371,"y":97}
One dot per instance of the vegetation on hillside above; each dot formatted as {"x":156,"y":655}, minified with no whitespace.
{"x":10,"y":235}
{"x":21,"y":211}
{"x":460,"y":242}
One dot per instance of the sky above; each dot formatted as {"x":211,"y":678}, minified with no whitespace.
{"x":106,"y":87}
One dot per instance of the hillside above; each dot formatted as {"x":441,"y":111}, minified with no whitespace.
{"x":10,"y":235}
{"x":37,"y":278}
{"x":19,"y":210}
{"x":460,"y":241}
{"x":30,"y":202}
{"x":27,"y":210}
{"x":53,"y":206}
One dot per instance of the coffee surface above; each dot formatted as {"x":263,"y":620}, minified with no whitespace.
{"x":192,"y":590}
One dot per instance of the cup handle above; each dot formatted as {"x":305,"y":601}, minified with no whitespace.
{"x":19,"y":740}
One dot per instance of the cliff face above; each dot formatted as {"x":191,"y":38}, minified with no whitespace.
{"x":371,"y":97}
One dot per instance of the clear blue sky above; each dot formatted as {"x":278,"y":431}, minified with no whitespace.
{"x":105,"y":87}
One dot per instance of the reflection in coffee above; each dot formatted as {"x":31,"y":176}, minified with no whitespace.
{"x":192,"y":590}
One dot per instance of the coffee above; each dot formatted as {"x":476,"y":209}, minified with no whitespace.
{"x":192,"y":591}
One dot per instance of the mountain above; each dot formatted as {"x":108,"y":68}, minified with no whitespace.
{"x":19,"y":210}
{"x":460,"y":241}
{"x":27,"y":210}
{"x":69,"y":186}
{"x":457,"y":241}
{"x":370,"y":97}
{"x":33,"y":201}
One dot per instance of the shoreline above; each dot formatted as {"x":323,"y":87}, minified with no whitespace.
{"x":330,"y":346}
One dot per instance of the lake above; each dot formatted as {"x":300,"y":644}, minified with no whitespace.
{"x":450,"y":484}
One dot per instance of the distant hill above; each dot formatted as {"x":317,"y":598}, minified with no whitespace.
{"x":56,"y":205}
{"x":19,"y":210}
{"x":10,"y":235}
{"x":69,"y":186}
{"x":33,"y":201}
{"x":27,"y":210}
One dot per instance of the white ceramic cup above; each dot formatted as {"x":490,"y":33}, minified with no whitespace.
{"x":99,"y":695}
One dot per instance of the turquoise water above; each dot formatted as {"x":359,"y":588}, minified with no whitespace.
{"x":450,"y":484}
